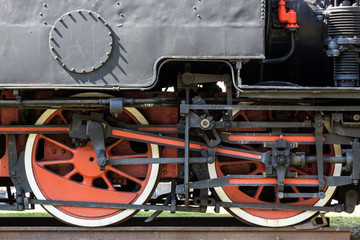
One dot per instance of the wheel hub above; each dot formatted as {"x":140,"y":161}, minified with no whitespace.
{"x":85,"y":161}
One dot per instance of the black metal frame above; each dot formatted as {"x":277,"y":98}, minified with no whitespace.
{"x":332,"y":208}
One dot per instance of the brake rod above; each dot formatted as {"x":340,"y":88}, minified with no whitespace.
{"x":331,"y":208}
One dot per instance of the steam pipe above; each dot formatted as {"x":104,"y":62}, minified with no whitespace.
{"x":288,"y":54}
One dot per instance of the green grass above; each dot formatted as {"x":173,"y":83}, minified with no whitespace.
{"x":25,"y":214}
{"x":344,"y":221}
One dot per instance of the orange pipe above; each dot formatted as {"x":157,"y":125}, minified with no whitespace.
{"x":287,"y":17}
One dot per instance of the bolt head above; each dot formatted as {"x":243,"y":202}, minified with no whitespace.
{"x":321,"y":195}
{"x":205,"y":123}
{"x":280,"y":195}
{"x":281,"y":160}
{"x":13,"y":172}
{"x":20,"y":207}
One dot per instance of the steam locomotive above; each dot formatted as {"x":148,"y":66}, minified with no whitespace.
{"x":110,"y":107}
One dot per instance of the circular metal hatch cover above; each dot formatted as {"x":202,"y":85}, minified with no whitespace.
{"x":81,"y":41}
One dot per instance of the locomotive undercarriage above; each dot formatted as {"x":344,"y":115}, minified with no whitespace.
{"x":95,"y":161}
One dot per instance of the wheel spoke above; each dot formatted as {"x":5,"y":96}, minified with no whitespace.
{"x":108,"y":183}
{"x":55,"y":162}
{"x":121,"y":173}
{"x":87,"y":181}
{"x":258,"y":192}
{"x":70,"y":174}
{"x":245,"y":117}
{"x":256,"y":171}
{"x":62,"y":145}
{"x":62,"y":117}
{"x":115,"y":144}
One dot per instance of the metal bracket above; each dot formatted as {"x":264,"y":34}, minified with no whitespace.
{"x":314,"y":223}
{"x":192,"y":80}
{"x":170,"y":199}
{"x":158,"y":212}
{"x":204,"y":200}
{"x":187,"y":154}
{"x":331,"y":208}
{"x":78,"y":127}
{"x":210,"y":142}
{"x":351,"y":199}
{"x":96,"y":132}
{"x":116,"y":105}
{"x":84,"y":127}
{"x":319,"y":152}
{"x":356,"y":161}
{"x":280,"y":161}
{"x":17,"y":173}
{"x":344,"y":129}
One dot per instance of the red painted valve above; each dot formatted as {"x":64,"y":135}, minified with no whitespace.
{"x":287,"y":17}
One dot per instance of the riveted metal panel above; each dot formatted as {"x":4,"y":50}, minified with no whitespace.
{"x":144,"y":33}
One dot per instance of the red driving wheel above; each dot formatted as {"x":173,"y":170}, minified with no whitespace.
{"x":58,"y":170}
{"x":266,"y":194}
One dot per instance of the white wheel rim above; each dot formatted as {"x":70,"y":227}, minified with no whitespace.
{"x":90,"y":222}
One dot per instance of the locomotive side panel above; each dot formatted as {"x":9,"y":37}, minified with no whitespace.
{"x":106,"y":44}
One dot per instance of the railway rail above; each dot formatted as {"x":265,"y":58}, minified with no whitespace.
{"x":164,"y":228}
